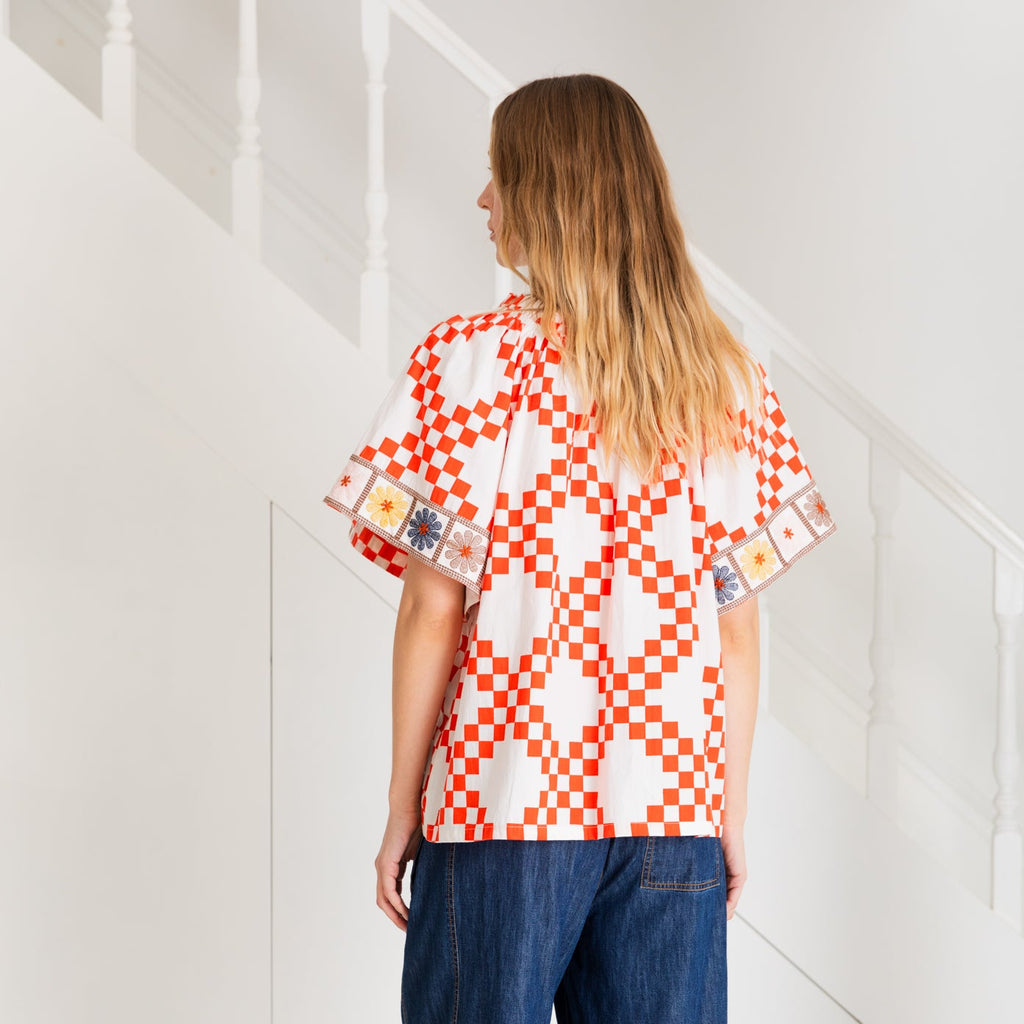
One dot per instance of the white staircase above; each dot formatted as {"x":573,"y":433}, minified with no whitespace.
{"x":194,"y":667}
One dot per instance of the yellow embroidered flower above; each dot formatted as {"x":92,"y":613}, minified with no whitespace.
{"x":387,"y":506}
{"x":758,"y":560}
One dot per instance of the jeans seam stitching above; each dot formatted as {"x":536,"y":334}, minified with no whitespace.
{"x":453,"y":934}
{"x":604,"y":866}
{"x":645,"y":874}
{"x":646,"y":883}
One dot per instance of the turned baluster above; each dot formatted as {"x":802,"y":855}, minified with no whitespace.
{"x":374,"y":297}
{"x":118,"y":73}
{"x":247,"y":166}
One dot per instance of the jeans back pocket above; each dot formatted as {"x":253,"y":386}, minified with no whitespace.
{"x":689,"y":863}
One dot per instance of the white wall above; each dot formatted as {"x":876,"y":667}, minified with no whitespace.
{"x":135,"y":687}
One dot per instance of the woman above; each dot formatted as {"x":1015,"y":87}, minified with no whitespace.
{"x":582,"y":490}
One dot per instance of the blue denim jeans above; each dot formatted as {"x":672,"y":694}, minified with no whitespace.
{"x":624,"y":930}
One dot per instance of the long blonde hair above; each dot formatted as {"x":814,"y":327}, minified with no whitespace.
{"x":585,"y":191}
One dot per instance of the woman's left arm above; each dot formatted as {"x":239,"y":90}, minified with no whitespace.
{"x":427,"y":634}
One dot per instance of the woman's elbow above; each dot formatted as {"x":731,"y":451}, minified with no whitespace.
{"x":738,"y":627}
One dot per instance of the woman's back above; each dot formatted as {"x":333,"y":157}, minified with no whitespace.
{"x":586,"y":698}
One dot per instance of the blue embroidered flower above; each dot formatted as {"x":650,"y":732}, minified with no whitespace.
{"x":725,"y":583}
{"x":425,"y":530}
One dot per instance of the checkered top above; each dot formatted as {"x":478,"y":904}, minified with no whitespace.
{"x":586,"y":698}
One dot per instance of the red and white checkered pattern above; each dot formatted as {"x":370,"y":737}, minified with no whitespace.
{"x":586,"y":699}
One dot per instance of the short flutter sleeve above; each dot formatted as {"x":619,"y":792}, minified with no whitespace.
{"x":423,"y":479}
{"x":763,"y":510}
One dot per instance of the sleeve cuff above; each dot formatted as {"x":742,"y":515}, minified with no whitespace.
{"x":748,"y":566}
{"x":392,"y":521}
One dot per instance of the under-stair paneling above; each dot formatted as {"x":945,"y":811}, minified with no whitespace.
{"x":134,"y":682}
{"x":944,"y":666}
{"x":766,"y":988}
{"x":337,"y":957}
{"x":946,"y":675}
{"x":882,"y":928}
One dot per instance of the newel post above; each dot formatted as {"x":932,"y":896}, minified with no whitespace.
{"x":374,"y":298}
{"x":883,"y":737}
{"x":247,"y":167}
{"x":1008,"y":601}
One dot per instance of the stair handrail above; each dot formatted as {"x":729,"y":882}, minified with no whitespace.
{"x":453,"y":48}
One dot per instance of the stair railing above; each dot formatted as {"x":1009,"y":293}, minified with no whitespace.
{"x":892,"y":453}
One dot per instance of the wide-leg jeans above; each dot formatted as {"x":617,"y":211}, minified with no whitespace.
{"x":623,"y":930}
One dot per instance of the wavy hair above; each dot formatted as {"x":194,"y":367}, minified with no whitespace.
{"x":585,"y":191}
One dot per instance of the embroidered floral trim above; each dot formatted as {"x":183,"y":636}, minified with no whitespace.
{"x":791,"y":530}
{"x":405,"y":523}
